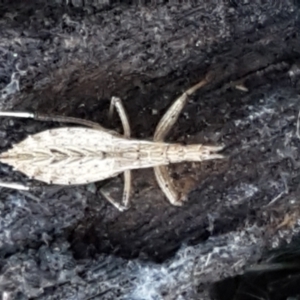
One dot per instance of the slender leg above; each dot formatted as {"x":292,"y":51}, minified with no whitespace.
{"x":107,"y":192}
{"x":52,"y":118}
{"x":164,"y":126}
{"x":127,"y":188}
{"x":31,"y":187}
{"x":170,"y":117}
{"x":166,"y":184}
{"x":117,"y":103}
{"x":23,"y":189}
{"x":14,"y":186}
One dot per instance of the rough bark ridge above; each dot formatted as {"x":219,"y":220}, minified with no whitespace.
{"x":70,"y":58}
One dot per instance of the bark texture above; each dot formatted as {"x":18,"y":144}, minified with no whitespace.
{"x":70,"y":58}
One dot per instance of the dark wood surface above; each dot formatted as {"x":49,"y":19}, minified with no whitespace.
{"x":70,"y":59}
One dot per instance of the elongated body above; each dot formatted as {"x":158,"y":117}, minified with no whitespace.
{"x":80,"y":155}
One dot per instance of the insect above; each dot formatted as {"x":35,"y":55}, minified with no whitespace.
{"x":90,"y":152}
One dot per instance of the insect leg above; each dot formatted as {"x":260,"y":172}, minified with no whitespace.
{"x":127,"y":188}
{"x":52,"y":118}
{"x":31,"y":187}
{"x":14,"y":186}
{"x":117,"y":103}
{"x":107,"y":191}
{"x":164,"y":126}
{"x":170,"y":117}
{"x":166,"y":184}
